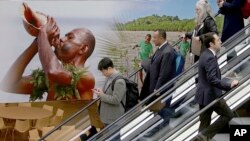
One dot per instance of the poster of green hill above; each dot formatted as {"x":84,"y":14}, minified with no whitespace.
{"x":169,"y":23}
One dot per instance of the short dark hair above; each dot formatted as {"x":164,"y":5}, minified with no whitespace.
{"x":162,"y":33}
{"x":105,"y":63}
{"x":148,"y":35}
{"x":208,"y":38}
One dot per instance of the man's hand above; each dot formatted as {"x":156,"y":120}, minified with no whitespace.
{"x":220,"y":3}
{"x":197,"y":38}
{"x":234,"y":83}
{"x":98,"y":91}
{"x":157,"y":94}
{"x":52,"y":31}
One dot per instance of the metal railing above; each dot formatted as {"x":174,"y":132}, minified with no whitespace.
{"x":230,"y":41}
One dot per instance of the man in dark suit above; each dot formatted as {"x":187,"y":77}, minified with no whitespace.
{"x":233,"y":19}
{"x":162,"y":65}
{"x":210,"y":87}
{"x":161,"y":70}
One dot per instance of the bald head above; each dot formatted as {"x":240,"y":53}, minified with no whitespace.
{"x":86,"y":37}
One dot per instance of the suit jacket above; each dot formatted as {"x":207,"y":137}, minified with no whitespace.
{"x":161,"y":70}
{"x":111,"y":107}
{"x":209,"y":85}
{"x":233,"y":18}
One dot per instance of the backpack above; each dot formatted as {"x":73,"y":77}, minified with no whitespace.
{"x":132,"y":93}
{"x":180,"y":62}
{"x":245,"y":10}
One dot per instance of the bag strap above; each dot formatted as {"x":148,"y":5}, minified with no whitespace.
{"x":114,"y":80}
{"x":123,"y":105}
{"x":113,"y":84}
{"x":196,"y":31}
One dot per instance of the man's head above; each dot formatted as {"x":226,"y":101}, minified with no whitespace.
{"x":106,"y":66}
{"x":184,"y":39}
{"x":212,"y":40}
{"x":148,"y":38}
{"x":159,"y":37}
{"x":77,"y":45}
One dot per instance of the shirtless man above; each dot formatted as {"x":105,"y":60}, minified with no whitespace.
{"x":73,"y":49}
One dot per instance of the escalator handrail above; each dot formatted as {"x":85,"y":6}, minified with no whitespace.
{"x":83,"y":109}
{"x":234,"y":62}
{"x":205,"y":108}
{"x":80,"y":111}
{"x":231,"y":39}
{"x":242,"y":56}
{"x":68,"y":120}
{"x":86,"y":107}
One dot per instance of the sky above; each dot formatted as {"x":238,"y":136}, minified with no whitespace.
{"x":129,"y":9}
{"x":98,"y":16}
{"x":184,"y":9}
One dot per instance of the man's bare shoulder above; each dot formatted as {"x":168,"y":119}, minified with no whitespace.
{"x":87,"y":81}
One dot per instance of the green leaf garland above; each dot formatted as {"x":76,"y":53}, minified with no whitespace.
{"x":41,"y":85}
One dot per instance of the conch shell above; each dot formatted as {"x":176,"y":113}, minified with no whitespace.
{"x":32,"y":21}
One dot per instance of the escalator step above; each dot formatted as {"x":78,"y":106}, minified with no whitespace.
{"x":221,"y":137}
{"x":240,"y":121}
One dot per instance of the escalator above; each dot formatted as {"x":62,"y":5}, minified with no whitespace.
{"x":142,"y":120}
{"x":187,"y":128}
{"x":140,"y":114}
{"x":147,"y":120}
{"x":79,"y":123}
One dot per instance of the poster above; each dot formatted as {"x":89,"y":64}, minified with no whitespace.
{"x":112,"y":23}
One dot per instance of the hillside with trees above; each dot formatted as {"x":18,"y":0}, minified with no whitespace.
{"x":169,"y":23}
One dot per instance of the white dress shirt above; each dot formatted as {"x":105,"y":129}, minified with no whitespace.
{"x":162,"y":44}
{"x":212,"y":51}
